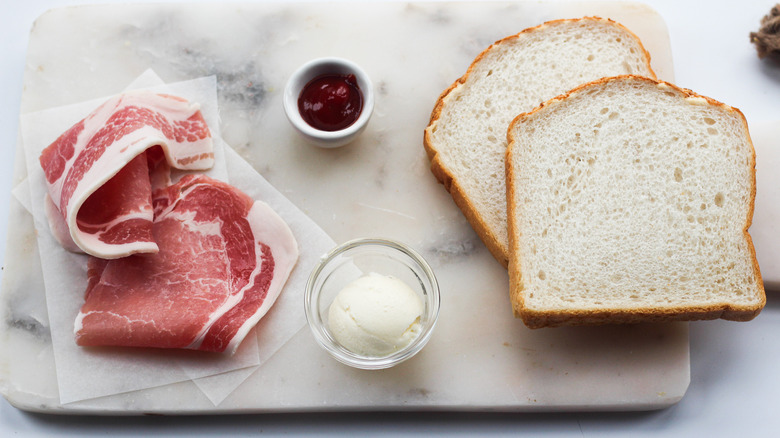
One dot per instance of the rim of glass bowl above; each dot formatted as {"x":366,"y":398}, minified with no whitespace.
{"x":317,"y":325}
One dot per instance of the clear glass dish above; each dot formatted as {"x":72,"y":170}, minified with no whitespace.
{"x":353,"y":259}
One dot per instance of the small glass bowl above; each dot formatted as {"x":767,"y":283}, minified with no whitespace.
{"x":309,"y":71}
{"x":353,"y":259}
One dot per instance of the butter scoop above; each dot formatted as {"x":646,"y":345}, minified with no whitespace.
{"x":375,"y":315}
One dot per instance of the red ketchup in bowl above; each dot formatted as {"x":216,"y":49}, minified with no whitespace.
{"x":331,"y":102}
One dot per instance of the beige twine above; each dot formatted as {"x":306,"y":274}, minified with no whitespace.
{"x":767,"y":39}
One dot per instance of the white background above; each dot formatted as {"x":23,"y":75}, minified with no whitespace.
{"x":735,"y":382}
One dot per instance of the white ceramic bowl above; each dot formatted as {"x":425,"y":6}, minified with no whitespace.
{"x":350,"y":261}
{"x":309,"y":71}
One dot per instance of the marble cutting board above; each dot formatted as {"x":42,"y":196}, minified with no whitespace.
{"x":480,"y":357}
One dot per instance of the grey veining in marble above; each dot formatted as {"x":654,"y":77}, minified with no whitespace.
{"x":480,"y":357}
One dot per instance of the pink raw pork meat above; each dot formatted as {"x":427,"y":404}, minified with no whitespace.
{"x":98,"y":177}
{"x":222,"y":262}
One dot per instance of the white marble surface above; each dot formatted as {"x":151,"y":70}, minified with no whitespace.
{"x":732,"y":364}
{"x":480,"y":357}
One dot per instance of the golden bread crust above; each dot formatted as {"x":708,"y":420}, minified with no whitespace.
{"x":445,"y":176}
{"x":537,"y":319}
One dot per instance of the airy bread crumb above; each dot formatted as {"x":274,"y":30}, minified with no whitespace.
{"x":630,"y":200}
{"x":466,"y":137}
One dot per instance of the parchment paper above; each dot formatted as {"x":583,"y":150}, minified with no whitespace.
{"x":86,"y":373}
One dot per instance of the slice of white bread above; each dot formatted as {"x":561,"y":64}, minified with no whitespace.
{"x":466,"y":137}
{"x":629,"y":200}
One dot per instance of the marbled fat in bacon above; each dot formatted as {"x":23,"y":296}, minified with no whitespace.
{"x":222,"y":262}
{"x":97,"y":171}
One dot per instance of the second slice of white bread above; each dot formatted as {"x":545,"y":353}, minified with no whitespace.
{"x":466,"y":137}
{"x":629,"y":200}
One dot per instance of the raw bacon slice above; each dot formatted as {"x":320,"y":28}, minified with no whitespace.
{"x":223,"y":261}
{"x":97,"y":172}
